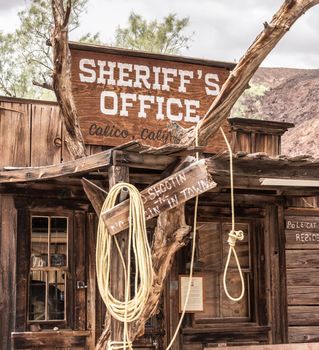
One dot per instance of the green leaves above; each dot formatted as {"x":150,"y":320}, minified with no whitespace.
{"x":154,"y":36}
{"x":25,"y":55}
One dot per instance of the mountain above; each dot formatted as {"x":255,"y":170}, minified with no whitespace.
{"x":290,"y":95}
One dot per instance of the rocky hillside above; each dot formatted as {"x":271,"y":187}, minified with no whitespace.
{"x":290,"y":95}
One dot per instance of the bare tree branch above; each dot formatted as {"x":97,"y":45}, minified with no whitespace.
{"x":237,"y":81}
{"x":44,"y":85}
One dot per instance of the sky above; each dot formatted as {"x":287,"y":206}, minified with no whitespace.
{"x":222,"y":29}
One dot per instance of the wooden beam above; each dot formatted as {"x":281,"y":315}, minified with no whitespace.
{"x":142,"y":161}
{"x":61,"y":338}
{"x":76,"y":166}
{"x":95,"y":194}
{"x":249,"y":171}
{"x":164,"y":195}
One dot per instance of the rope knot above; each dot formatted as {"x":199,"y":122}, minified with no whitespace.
{"x":233,"y":236}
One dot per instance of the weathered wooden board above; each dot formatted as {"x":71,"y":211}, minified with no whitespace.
{"x":89,"y":163}
{"x":303,"y":315}
{"x":122,"y":96}
{"x":46,"y":134}
{"x":8,"y":258}
{"x":302,"y":240}
{"x":49,"y":339}
{"x":304,"y":346}
{"x":164,"y":195}
{"x":14,"y":134}
{"x":79,"y":255}
{"x":302,"y":223}
{"x":302,"y":232}
{"x":297,"y":295}
{"x":302,"y":258}
{"x":303,"y":334}
{"x":303,"y":277}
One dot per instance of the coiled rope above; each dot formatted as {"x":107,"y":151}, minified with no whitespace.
{"x":130,"y":309}
{"x":233,"y":235}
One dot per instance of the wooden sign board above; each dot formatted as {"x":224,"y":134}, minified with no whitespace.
{"x":166,"y":194}
{"x":195,"y":301}
{"x":302,"y":232}
{"x":122,"y":95}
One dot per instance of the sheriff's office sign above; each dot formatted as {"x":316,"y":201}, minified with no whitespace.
{"x":123,"y":95}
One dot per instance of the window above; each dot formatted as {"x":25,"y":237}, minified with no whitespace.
{"x":48,"y":268}
{"x":211,"y":258}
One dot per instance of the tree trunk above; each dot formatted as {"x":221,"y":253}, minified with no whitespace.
{"x":62,"y":78}
{"x":170,"y":235}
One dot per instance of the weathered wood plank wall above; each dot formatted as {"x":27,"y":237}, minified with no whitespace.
{"x":302,"y":263}
{"x":8,"y":237}
{"x":46,"y":134}
{"x":30,"y":133}
{"x":15,"y":124}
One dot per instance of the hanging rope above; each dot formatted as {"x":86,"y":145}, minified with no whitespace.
{"x":191,"y":268}
{"x":130,"y":309}
{"x":233,"y":235}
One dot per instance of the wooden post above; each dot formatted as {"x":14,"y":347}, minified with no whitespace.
{"x":118,"y":174}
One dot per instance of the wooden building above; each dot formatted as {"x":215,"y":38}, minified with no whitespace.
{"x":49,"y":297}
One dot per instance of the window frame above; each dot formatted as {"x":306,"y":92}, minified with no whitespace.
{"x":253,"y":277}
{"x":68,"y":270}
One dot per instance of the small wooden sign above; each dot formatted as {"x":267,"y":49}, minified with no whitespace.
{"x":195,"y":301}
{"x":302,"y":232}
{"x":166,"y":194}
{"x":122,"y":95}
{"x":302,"y":223}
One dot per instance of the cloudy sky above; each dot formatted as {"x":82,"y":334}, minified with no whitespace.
{"x":223,"y":29}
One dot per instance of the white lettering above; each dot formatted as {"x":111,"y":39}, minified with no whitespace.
{"x":84,"y":62}
{"x":214,"y":90}
{"x":183,"y":74}
{"x":113,"y":96}
{"x":156,"y":85}
{"x":143,"y":99}
{"x":173,"y":101}
{"x":189,"y":110}
{"x":168,"y":76}
{"x":142,"y":74}
{"x":110,"y":73}
{"x":159,"y":114}
{"x":125,"y":104}
{"x":124,"y":72}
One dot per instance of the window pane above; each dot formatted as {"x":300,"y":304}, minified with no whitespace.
{"x":209,"y":252}
{"x":39,"y":241}
{"x":58,"y":241}
{"x":235,"y":308}
{"x":56,"y":293}
{"x":37,"y":295}
{"x":211,"y":296}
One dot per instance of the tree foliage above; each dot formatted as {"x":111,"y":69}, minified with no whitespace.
{"x":153,"y":36}
{"x":25,"y":56}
